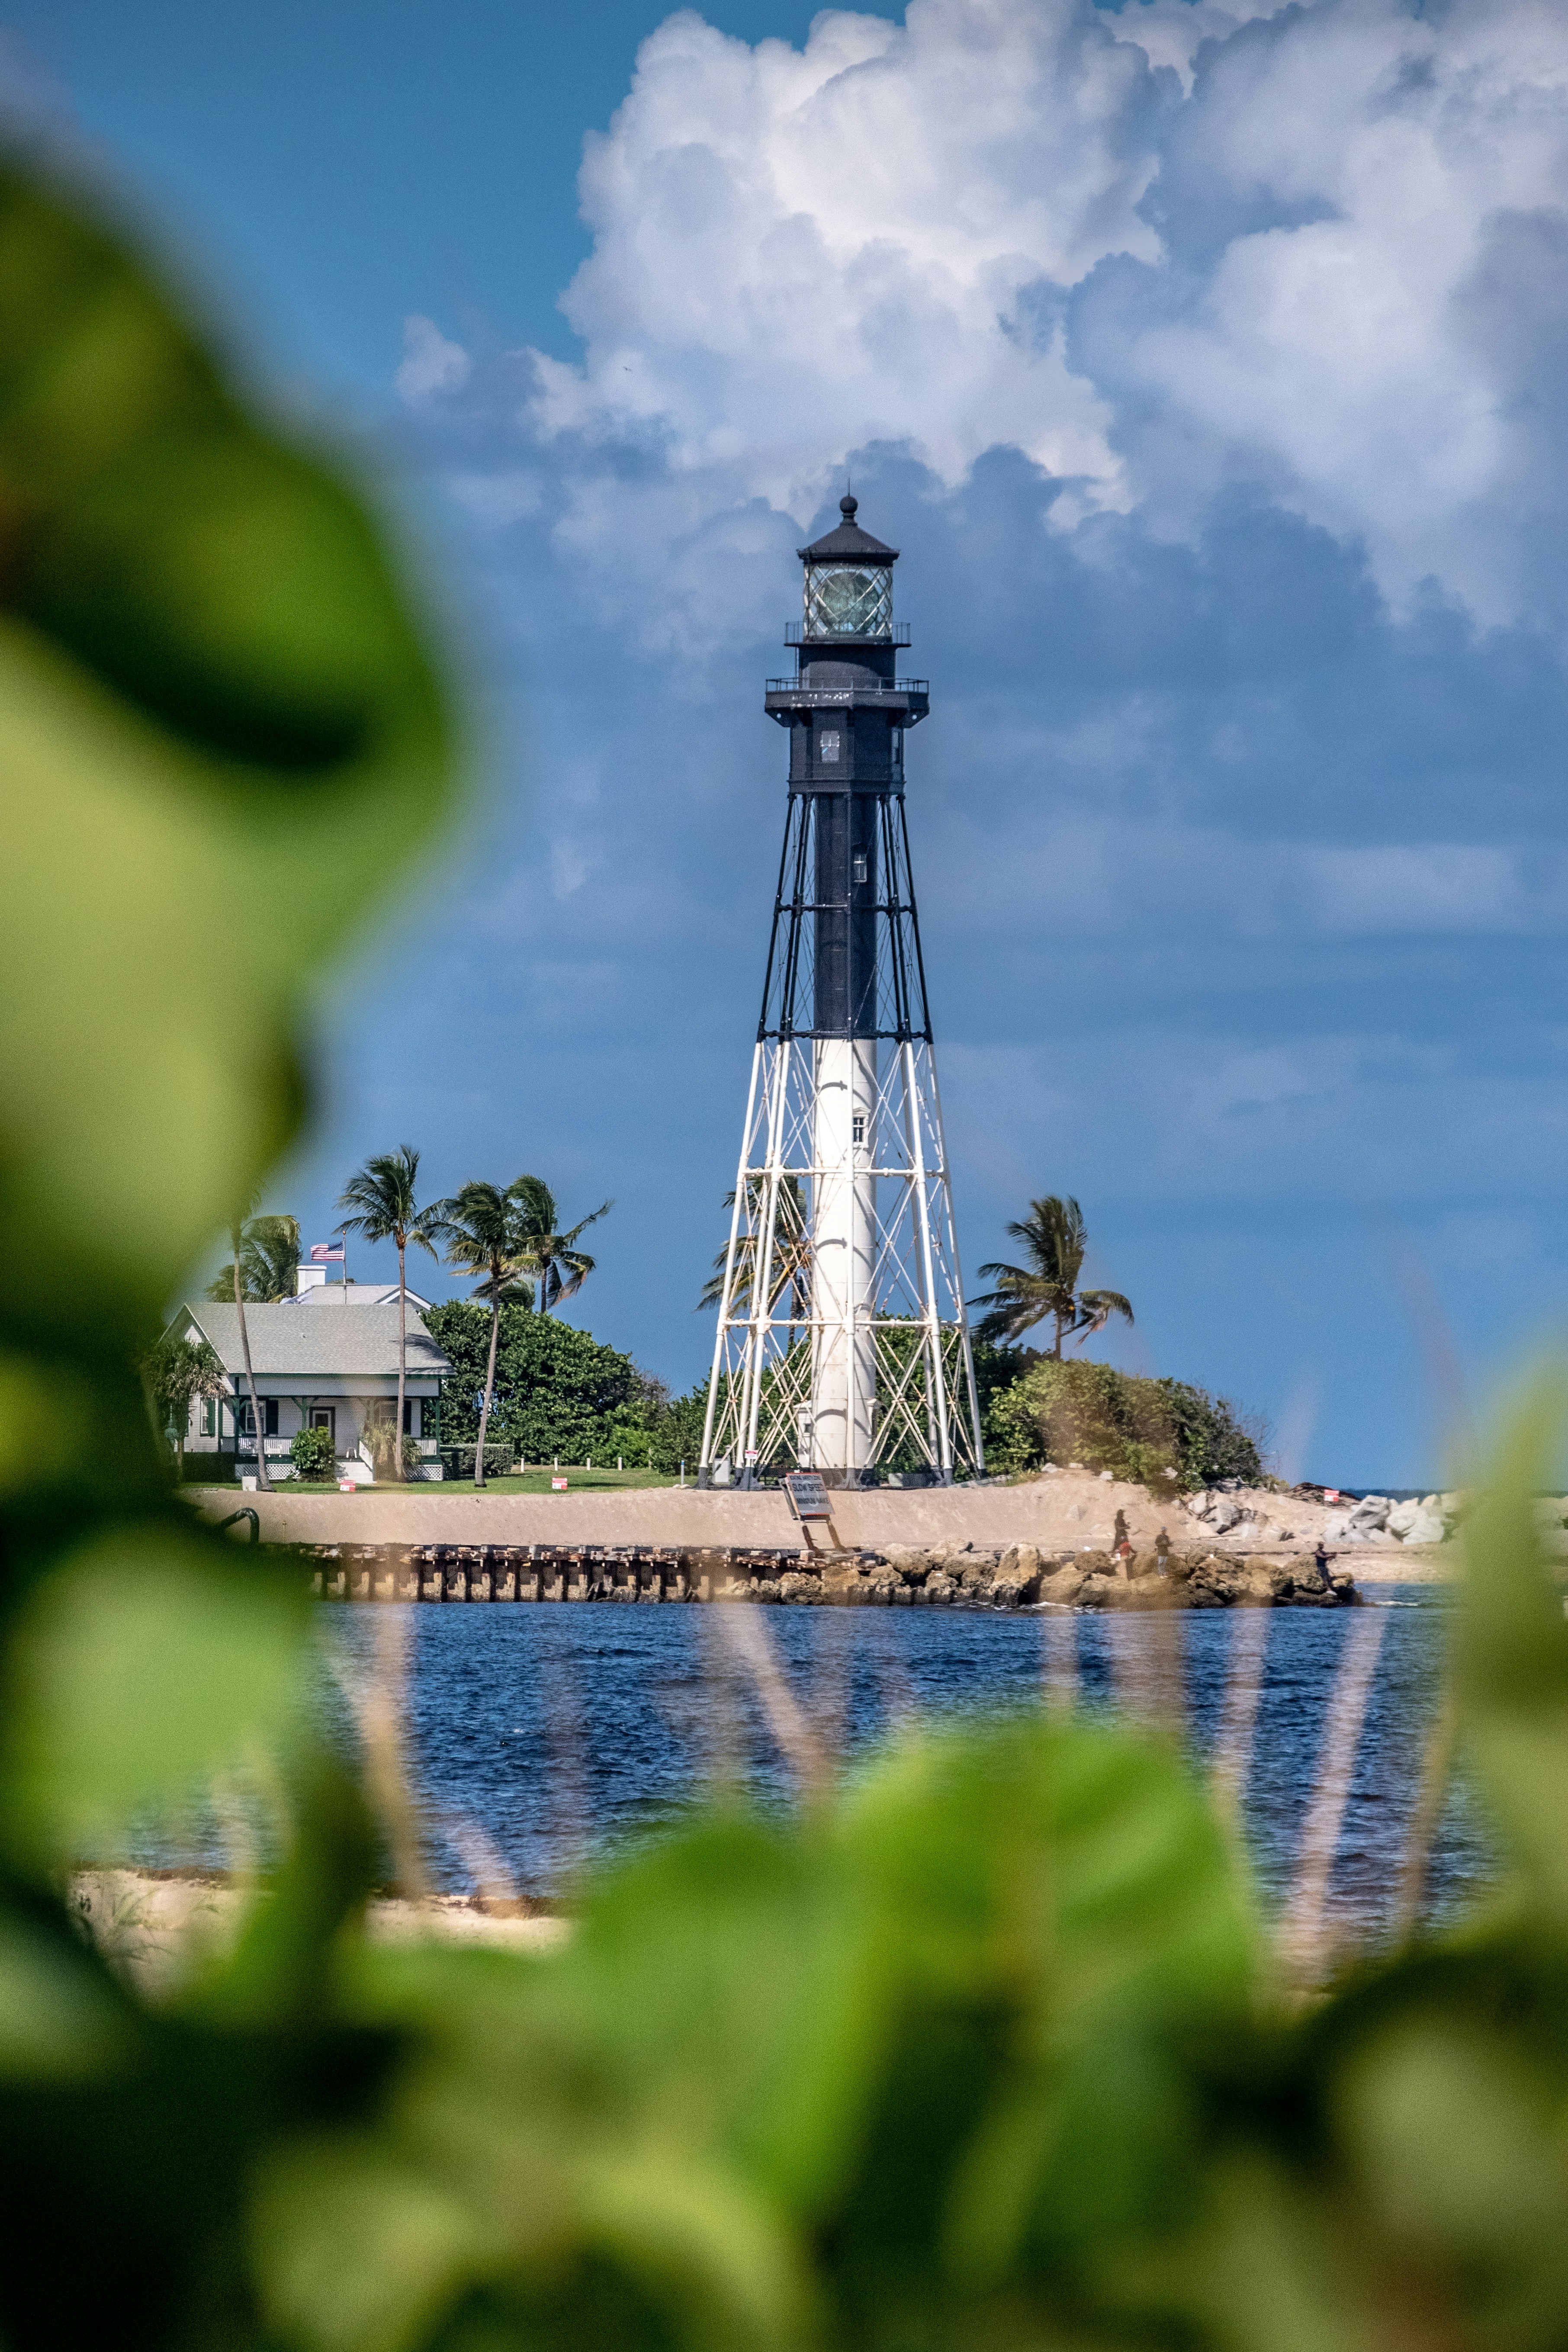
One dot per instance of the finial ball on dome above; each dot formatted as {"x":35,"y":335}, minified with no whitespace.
{"x":847,"y":505}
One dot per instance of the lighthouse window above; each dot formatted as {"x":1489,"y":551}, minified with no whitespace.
{"x":843,"y":601}
{"x":857,"y":1126}
{"x":858,"y":869}
{"x":830,"y":743}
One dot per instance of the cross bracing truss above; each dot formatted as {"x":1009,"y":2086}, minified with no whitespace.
{"x":842,"y":1338}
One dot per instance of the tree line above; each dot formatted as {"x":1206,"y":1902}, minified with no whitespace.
{"x":551,"y":1391}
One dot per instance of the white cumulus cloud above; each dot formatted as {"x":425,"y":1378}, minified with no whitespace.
{"x":797,"y":252}
{"x":431,"y":363}
{"x":1158,"y":250}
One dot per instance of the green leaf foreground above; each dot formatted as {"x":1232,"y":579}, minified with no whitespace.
{"x":985,"y":2048}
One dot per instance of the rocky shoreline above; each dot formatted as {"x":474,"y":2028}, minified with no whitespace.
{"x":951,"y":1576}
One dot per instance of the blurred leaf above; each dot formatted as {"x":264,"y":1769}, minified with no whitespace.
{"x":210,"y":683}
{"x":1510,"y":1661}
{"x":141,"y":1666}
{"x":355,"y":2253}
{"x":58,"y":2018}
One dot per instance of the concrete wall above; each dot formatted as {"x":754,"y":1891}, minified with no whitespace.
{"x":680,"y":1519}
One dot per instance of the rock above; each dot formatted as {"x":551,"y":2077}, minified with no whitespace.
{"x":1370,"y":1512}
{"x":1106,"y":1479}
{"x":1098,"y":1592}
{"x":1018,"y":1576}
{"x":796,"y":1586}
{"x":939,"y":1586}
{"x":1062,"y":1585}
{"x":1075,"y":1510}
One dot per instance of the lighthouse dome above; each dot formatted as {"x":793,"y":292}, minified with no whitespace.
{"x":849,"y":580}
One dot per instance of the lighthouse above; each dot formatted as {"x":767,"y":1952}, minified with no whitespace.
{"x":842,"y":1344}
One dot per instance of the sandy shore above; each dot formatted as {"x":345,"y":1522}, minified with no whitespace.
{"x":158,"y":1926}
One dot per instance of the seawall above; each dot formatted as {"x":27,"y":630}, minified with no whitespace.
{"x":1060,"y":1513}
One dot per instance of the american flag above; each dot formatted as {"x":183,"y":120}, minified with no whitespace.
{"x":321,"y":1252}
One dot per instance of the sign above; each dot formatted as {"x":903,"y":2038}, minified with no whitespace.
{"x":807,"y":1495}
{"x":750,"y":1456}
{"x":558,"y":1486}
{"x":1331,"y":1494}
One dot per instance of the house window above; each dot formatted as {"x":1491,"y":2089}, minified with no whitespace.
{"x":410,"y":1412}
{"x":209,"y":1417}
{"x":268,"y":1413}
{"x":857,"y":867}
{"x":829,"y":745}
{"x":325,"y":1416}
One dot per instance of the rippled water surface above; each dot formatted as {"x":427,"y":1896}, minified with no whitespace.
{"x":557,"y":1732}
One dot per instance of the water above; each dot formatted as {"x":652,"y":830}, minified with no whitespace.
{"x":558,"y":1733}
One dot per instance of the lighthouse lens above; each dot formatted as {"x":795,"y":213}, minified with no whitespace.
{"x":848,"y":603}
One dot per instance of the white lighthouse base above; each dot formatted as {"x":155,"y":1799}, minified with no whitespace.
{"x":842,"y":1343}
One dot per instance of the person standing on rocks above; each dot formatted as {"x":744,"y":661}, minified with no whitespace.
{"x":1322,"y":1559}
{"x":1162,"y":1552}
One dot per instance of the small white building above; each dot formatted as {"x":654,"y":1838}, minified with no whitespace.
{"x":317,"y":1366}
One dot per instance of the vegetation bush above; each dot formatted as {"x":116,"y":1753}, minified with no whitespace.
{"x":1135,"y":1428}
{"x":458,"y":1461}
{"x":676,"y":1435}
{"x":388,"y":1450}
{"x":312,"y":1453}
{"x":558,"y":1392}
{"x":987,"y":2047}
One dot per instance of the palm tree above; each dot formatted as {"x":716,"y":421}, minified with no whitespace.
{"x":382,"y":1197}
{"x":1055,"y":1240}
{"x":476,"y":1228}
{"x":266,"y":1256}
{"x":792,"y":1252}
{"x":255,"y":1241}
{"x":557,"y":1267}
{"x":511,"y":1241}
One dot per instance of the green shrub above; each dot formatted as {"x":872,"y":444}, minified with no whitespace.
{"x":558,"y":1391}
{"x":385,"y":1448}
{"x":1135,"y":1428}
{"x":458,"y":1461}
{"x":312,"y":1453}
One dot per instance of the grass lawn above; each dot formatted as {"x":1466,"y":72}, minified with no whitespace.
{"x":537,"y":1482}
{"x":533,"y":1482}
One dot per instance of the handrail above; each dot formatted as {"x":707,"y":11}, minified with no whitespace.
{"x":244,"y":1512}
{"x":877,"y":685}
{"x":796,"y":634}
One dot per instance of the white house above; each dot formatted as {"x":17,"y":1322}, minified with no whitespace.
{"x":316,"y":1366}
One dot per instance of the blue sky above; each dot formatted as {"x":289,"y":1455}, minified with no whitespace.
{"x":1205,"y":360}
